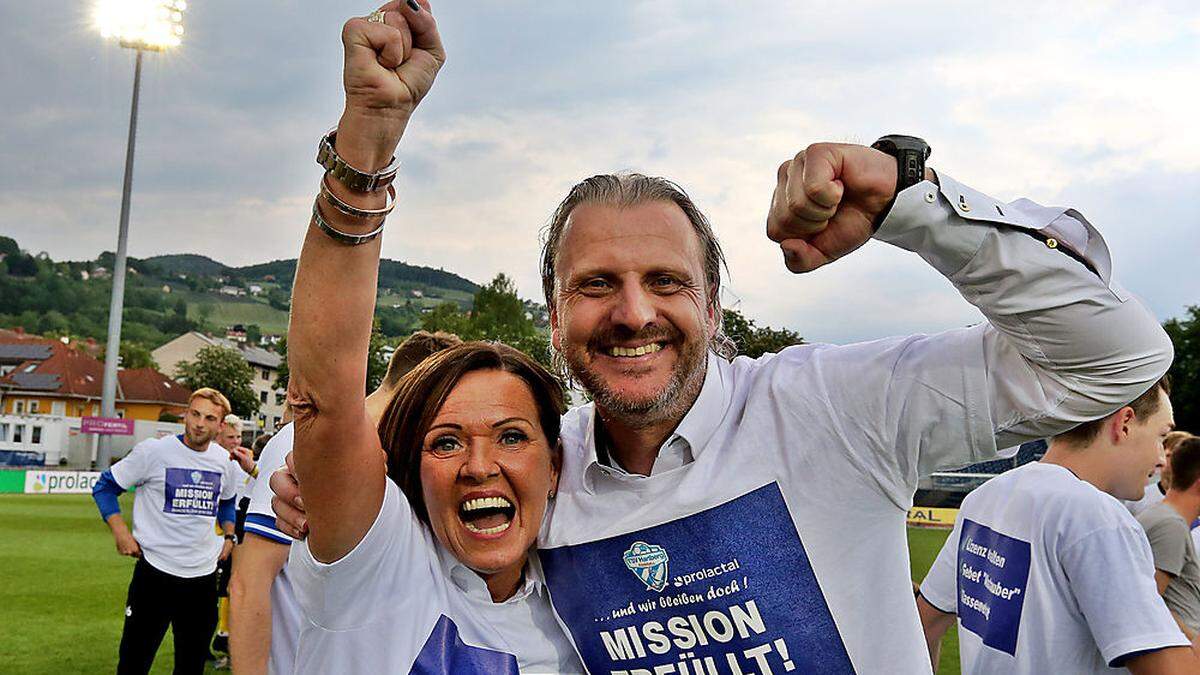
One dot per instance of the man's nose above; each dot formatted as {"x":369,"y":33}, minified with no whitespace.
{"x":635,"y":308}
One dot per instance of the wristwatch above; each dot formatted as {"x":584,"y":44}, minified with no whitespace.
{"x":230,"y":537}
{"x":910,"y":153}
{"x":359,"y":181}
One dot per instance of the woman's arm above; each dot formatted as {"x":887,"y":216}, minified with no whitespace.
{"x":388,"y":69}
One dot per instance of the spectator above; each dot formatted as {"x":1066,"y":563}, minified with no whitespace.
{"x":1047,"y":573}
{"x":1168,"y":527}
{"x":1157,"y":489}
{"x":185,"y":485}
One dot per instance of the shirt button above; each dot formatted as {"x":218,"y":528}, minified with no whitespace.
{"x":1051,"y":242}
{"x":962,"y":203}
{"x":929,"y":197}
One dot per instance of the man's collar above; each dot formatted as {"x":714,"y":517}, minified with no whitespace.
{"x":696,"y":428}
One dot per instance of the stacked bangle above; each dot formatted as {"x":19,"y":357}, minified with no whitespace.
{"x":339,"y":236}
{"x":357,"y":181}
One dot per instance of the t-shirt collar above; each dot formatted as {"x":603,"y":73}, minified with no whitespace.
{"x":468,"y":581}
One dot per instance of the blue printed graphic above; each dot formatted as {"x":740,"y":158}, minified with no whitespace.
{"x":993,"y":571}
{"x":726,"y":590}
{"x":445,"y":652}
{"x":192,"y":492}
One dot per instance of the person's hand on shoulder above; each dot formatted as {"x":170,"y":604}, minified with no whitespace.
{"x":826,"y":201}
{"x":290,"y":517}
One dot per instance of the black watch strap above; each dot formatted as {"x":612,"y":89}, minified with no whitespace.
{"x":910,"y":153}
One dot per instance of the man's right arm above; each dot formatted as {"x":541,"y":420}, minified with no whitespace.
{"x":255,"y":565}
{"x":105,"y":493}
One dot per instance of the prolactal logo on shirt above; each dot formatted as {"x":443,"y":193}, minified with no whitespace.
{"x":192,"y":492}
{"x":649,"y":563}
{"x":993,"y":571}
{"x":735,"y":595}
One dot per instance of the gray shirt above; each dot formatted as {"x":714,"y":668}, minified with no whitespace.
{"x":1171,"y":541}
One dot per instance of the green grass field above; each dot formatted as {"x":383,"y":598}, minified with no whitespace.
{"x":63,"y":596}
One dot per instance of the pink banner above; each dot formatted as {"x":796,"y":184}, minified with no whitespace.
{"x":114,"y":426}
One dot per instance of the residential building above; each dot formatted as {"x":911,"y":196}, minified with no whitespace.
{"x":264,"y":363}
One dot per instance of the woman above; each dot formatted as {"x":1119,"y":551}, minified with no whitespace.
{"x":439,"y":579}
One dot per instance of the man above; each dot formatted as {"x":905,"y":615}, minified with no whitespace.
{"x":185,"y":484}
{"x":265,"y":618}
{"x":1168,"y":527}
{"x":1047,"y":572}
{"x":751,"y":514}
{"x":1157,"y":489}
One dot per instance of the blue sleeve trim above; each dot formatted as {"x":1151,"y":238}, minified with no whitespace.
{"x":264,"y":526}
{"x":227,"y":511}
{"x":105,"y":493}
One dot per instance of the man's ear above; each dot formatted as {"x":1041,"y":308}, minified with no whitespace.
{"x":555,"y":330}
{"x":1120,"y":425}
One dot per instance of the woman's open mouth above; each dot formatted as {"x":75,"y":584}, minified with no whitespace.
{"x":486,"y":515}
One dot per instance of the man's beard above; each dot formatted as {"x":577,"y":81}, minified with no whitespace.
{"x":671,"y":403}
{"x":201,"y":439}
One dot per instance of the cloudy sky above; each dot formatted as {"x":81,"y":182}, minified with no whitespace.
{"x":1089,"y":104}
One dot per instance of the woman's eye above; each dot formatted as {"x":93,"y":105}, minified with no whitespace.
{"x":513,"y":437}
{"x":444,"y":445}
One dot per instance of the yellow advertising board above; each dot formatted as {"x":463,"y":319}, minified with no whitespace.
{"x":929,"y":516}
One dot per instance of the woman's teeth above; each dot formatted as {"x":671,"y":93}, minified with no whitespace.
{"x":635,"y":351}
{"x":487,"y":530}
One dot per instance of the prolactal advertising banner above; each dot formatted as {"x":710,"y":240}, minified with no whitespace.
{"x":728,"y":590}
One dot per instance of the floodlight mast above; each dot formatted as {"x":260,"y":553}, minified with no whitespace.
{"x":141,"y":25}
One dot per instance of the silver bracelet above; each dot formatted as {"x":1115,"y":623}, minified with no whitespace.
{"x":359,"y":181}
{"x":355,"y":212}
{"x":339,"y":236}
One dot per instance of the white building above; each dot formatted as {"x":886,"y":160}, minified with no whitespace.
{"x":265,"y":364}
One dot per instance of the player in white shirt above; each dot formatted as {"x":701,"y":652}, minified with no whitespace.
{"x":1048,"y":573}
{"x":185,"y":485}
{"x":265,"y":619}
{"x":689,"y":471}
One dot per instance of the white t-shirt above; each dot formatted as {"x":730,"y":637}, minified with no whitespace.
{"x":1152,"y":496}
{"x":1047,"y":574}
{"x":401,"y":603}
{"x":770,"y":532}
{"x":286,"y":617}
{"x":175,"y":506}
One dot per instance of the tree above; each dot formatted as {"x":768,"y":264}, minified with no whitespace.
{"x":225,"y":370}
{"x":753,"y":341}
{"x":498,"y":314}
{"x":282,"y":375}
{"x":1185,"y":371}
{"x":253,"y":334}
{"x":134,"y":355}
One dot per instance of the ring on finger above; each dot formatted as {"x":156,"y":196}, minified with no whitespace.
{"x":376,"y":16}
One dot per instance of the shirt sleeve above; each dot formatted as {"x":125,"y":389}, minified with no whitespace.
{"x":133,"y":469}
{"x":1168,"y":543}
{"x":260,"y":517}
{"x":391,"y":563}
{"x":1112,"y":580}
{"x":1046,"y":359}
{"x":940,"y":586}
{"x":232,"y":479}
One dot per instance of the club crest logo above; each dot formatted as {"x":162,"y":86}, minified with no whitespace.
{"x":197,"y":476}
{"x":649,"y":564}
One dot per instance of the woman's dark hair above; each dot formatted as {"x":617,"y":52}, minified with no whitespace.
{"x":421,"y":393}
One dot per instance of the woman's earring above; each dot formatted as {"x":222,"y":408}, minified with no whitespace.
{"x":550,"y":495}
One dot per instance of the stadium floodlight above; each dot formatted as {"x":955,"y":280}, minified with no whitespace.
{"x":141,"y":25}
{"x":153,"y":25}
